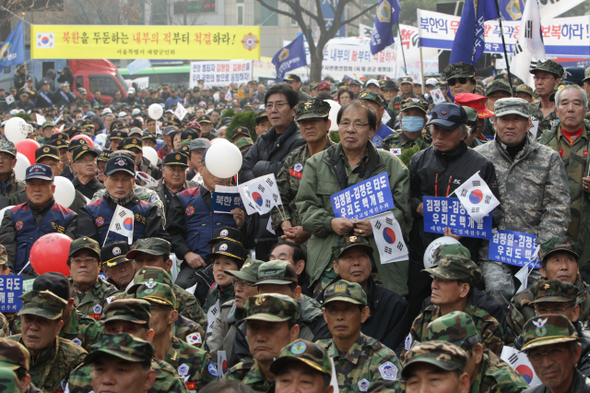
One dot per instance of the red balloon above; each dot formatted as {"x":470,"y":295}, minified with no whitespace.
{"x":28,"y":147}
{"x":50,"y":254}
{"x":86,"y":138}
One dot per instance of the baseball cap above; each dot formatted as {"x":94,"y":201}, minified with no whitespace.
{"x":7,"y":147}
{"x":371,"y":96}
{"x":131,"y":90}
{"x":459,"y":70}
{"x":345,"y":291}
{"x":44,"y":304}
{"x":448,"y":116}
{"x":84,"y":243}
{"x":555,"y":291}
{"x":114,"y":253}
{"x":313,"y":109}
{"x":372,"y":82}
{"x":175,"y":158}
{"x":150,"y":245}
{"x":123,"y":346}
{"x":292,"y":78}
{"x":230,"y":249}
{"x":511,"y":106}
{"x":271,"y":308}
{"x":199,"y":143}
{"x":39,"y":171}
{"x":418,"y":103}
{"x":306,"y":352}
{"x":276,"y":272}
{"x":431,"y":82}
{"x":455,"y":327}
{"x":227,"y":233}
{"x":348,"y":242}
{"x":120,"y":164}
{"x":55,"y":282}
{"x":323,"y":85}
{"x":204,"y":119}
{"x":82,"y":150}
{"x":147,"y":274}
{"x":441,"y":354}
{"x":46,"y":151}
{"x":559,"y":243}
{"x":548,"y":66}
{"x":455,"y":267}
{"x":522,"y":88}
{"x":156,"y":292}
{"x":129,"y":143}
{"x":248,"y":271}
{"x":406,"y":79}
{"x":129,"y":309}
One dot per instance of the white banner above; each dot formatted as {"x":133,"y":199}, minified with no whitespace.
{"x":389,"y":238}
{"x":219,"y":73}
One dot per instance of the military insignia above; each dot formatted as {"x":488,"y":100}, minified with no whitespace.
{"x":45,"y":150}
{"x":116,"y":251}
{"x":183,"y":370}
{"x":99,"y":221}
{"x":189,"y":211}
{"x":340,"y":288}
{"x":415,"y":100}
{"x":120,"y":162}
{"x":110,"y":299}
{"x":82,"y":142}
{"x":541,"y":330}
{"x":298,"y":167}
{"x":546,"y":286}
{"x":260,"y":300}
{"x":408,"y":343}
{"x":223,"y":247}
{"x":363,"y":385}
{"x":18,"y":225}
{"x":443,"y":112}
{"x":352,"y":239}
{"x":134,"y":141}
{"x":246,"y":265}
{"x":396,"y":151}
{"x":388,"y":371}
{"x":85,"y":147}
{"x":212,"y":369}
{"x":194,"y":338}
{"x":97,"y":309}
{"x":77,"y":341}
{"x":154,"y":198}
{"x":150,"y":284}
{"x":298,"y":348}
{"x":224,"y":232}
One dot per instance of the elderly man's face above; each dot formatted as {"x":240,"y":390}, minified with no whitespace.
{"x":571,"y":109}
{"x":545,"y":83}
{"x":38,"y":333}
{"x":512,"y":129}
{"x":555,"y":365}
{"x":119,"y":184}
{"x":174,"y":175}
{"x":562,"y":266}
{"x":354,"y":129}
{"x":445,"y":140}
{"x":39,"y":192}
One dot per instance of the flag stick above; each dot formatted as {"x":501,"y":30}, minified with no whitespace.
{"x":399,"y":32}
{"x":504,"y":46}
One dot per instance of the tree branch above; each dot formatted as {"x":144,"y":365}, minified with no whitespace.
{"x":278,"y":11}
{"x":359,"y":15}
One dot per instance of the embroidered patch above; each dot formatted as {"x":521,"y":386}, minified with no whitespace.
{"x":224,"y":232}
{"x":388,"y":371}
{"x":190,"y":210}
{"x":18,"y":225}
{"x":363,"y":385}
{"x":183,"y":370}
{"x":116,"y":251}
{"x":212,"y":369}
{"x":97,"y":309}
{"x":298,"y":167}
{"x":77,"y":341}
{"x":541,"y":330}
{"x":396,"y":151}
{"x":99,"y":221}
{"x":194,"y":338}
{"x":298,"y":348}
{"x":408,"y":343}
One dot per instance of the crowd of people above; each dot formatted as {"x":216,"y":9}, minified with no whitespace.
{"x":298,"y":299}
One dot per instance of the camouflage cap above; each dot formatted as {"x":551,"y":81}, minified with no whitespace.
{"x":511,"y":106}
{"x":372,"y":96}
{"x":244,"y":142}
{"x":522,"y":88}
{"x":410,"y":103}
{"x":559,"y":243}
{"x":272,"y":307}
{"x":441,"y":354}
{"x":555,"y":291}
{"x":3,"y":255}
{"x":455,"y":327}
{"x":586,"y":74}
{"x":14,"y":355}
{"x":158,"y":293}
{"x":129,"y":310}
{"x":498,"y":85}
{"x":547,"y":330}
{"x":452,"y":249}
{"x":471,"y":116}
{"x":7,"y":147}
{"x":276,"y":272}
{"x":454,"y":267}
{"x":548,"y":66}
{"x":459,"y":70}
{"x":123,"y":346}
{"x":148,"y":273}
{"x":313,"y":109}
{"x":84,"y":243}
{"x":303,"y":351}
{"x":345,"y":291}
{"x":151,"y":246}
{"x":8,"y":381}
{"x":406,"y":79}
{"x":348,"y":242}
{"x":248,"y":272}
{"x":45,"y":304}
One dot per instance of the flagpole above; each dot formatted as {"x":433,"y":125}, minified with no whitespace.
{"x":504,"y":46}
{"x":399,"y":32}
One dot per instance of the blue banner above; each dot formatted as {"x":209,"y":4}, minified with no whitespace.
{"x":514,"y":248}
{"x":13,"y":49}
{"x":387,"y":16}
{"x":11,"y":287}
{"x":289,"y":58}
{"x":364,"y":199}
{"x":328,"y":14}
{"x":225,"y":202}
{"x":441,"y":213}
{"x":138,"y":65}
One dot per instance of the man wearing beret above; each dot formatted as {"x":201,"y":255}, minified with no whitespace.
{"x":361,"y":362}
{"x":16,"y":358}
{"x":411,"y":133}
{"x":25,"y":223}
{"x":84,"y":165}
{"x":534,"y":194}
{"x":552,"y":346}
{"x":547,"y":75}
{"x":487,"y":372}
{"x":173,"y":179}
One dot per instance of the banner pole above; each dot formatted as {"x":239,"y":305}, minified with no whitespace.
{"x":504,"y":45}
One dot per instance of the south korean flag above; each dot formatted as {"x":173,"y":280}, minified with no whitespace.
{"x":476,"y":197}
{"x":389,"y":238}
{"x":45,"y":40}
{"x":261,"y":193}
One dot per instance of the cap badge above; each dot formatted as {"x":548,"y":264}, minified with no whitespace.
{"x":224,"y":232}
{"x":45,"y":149}
{"x":541,"y":330}
{"x":308,"y":105}
{"x":178,"y":157}
{"x":223,"y":247}
{"x":546,"y":286}
{"x":134,"y":140}
{"x":298,"y":348}
{"x":120,"y":162}
{"x":260,"y":300}
{"x":443,"y":112}
{"x":116,"y":251}
{"x":352,"y":239}
{"x":340,"y":288}
{"x":246,"y":265}
{"x":150,"y":284}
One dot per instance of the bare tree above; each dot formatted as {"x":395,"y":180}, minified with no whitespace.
{"x":304,"y":18}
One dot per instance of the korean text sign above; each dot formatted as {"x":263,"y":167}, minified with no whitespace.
{"x":11,"y":287}
{"x":440,"y":213}
{"x":219,"y":73}
{"x":364,"y":199}
{"x":225,"y":201}
{"x":514,"y":248}
{"x":148,"y":42}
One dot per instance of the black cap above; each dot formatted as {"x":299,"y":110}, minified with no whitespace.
{"x":59,"y":135}
{"x":114,"y":253}
{"x":175,"y":158}
{"x":129,"y":143}
{"x":203,"y":119}
{"x":81,"y":150}
{"x":72,"y":131}
{"x":120,"y":164}
{"x":243,"y":131}
{"x":39,"y":171}
{"x":228,"y":233}
{"x":169,"y":130}
{"x":118,"y":134}
{"x":76,"y":143}
{"x":230,"y":249}
{"x":54,"y":282}
{"x":59,"y":143}
{"x":292,"y":78}
{"x":104,"y":155}
{"x":148,"y":135}
{"x":189,"y":134}
{"x":47,"y":151}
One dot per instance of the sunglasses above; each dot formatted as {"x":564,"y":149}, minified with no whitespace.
{"x":461,"y":81}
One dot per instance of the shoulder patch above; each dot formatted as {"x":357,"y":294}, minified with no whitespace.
{"x":388,"y":371}
{"x":77,"y":341}
{"x":194,"y":338}
{"x":363,"y":385}
{"x":212,"y":369}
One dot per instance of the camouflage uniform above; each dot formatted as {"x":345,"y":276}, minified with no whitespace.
{"x":394,"y":108}
{"x":8,"y":381}
{"x":144,"y":194}
{"x":194,"y":365}
{"x":545,"y":123}
{"x":399,"y":140}
{"x":249,"y":373}
{"x":92,"y":301}
{"x":4,"y":326}
{"x":305,"y":352}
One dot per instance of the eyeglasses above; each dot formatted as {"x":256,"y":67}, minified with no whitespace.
{"x":453,"y":81}
{"x":278,"y":105}
{"x":357,"y":125}
{"x":553,"y":353}
{"x":542,"y":78}
{"x":129,"y":329}
{"x":242,"y":283}
{"x":87,"y":260}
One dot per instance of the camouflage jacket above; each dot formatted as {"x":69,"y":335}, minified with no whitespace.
{"x":144,"y":194}
{"x":367,"y":366}
{"x":575,"y":161}
{"x":194,"y":366}
{"x":521,"y":310}
{"x":399,"y":140}
{"x":394,"y":108}
{"x":188,"y":330}
{"x":93,"y":301}
{"x":545,"y":123}
{"x":51,"y":368}
{"x":495,"y":375}
{"x":188,"y":306}
{"x":534,"y":194}
{"x":4,"y":326}
{"x":149,"y":168}
{"x":250,"y":374}
{"x":490,"y":331}
{"x":167,"y":380}
{"x":11,"y":190}
{"x":288,"y":180}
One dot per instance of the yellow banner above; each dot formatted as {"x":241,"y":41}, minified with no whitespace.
{"x":149,"y":42}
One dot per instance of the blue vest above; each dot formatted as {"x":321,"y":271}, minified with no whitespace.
{"x":101,"y":214}
{"x":57,"y":219}
{"x":199,"y":222}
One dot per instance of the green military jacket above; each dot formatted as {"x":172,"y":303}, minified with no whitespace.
{"x":194,"y":366}
{"x":249,"y":373}
{"x":394,"y":108}
{"x":12,"y":188}
{"x":490,"y":331}
{"x":545,"y":123}
{"x":496,"y":376}
{"x":368,"y":366}
{"x":94,"y":300}
{"x":399,"y":140}
{"x":288,"y":180}
{"x":51,"y":368}
{"x":4,"y":326}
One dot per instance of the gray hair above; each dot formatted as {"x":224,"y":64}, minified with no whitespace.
{"x":570,"y":87}
{"x":464,"y":129}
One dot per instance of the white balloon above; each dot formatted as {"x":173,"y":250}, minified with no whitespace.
{"x":4,"y":211}
{"x":219,"y":140}
{"x":155,"y":111}
{"x":151,"y":154}
{"x":429,"y":253}
{"x":16,"y":129}
{"x":223,"y":160}
{"x":101,"y":139}
{"x":65,"y":193}
{"x":334,"y":108}
{"x":20,"y":168}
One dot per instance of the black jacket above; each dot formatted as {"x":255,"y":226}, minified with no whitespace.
{"x":89,"y":188}
{"x":580,"y":384}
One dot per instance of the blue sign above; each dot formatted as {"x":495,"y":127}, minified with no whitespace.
{"x":364,"y":199}
{"x":11,"y":287}
{"x":225,"y":202}
{"x":514,"y":248}
{"x":138,"y":65}
{"x":441,"y":213}
{"x":328,"y":14}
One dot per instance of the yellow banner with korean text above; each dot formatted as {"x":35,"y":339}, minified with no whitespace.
{"x":150,"y":42}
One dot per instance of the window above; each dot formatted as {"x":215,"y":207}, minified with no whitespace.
{"x":78,"y":83}
{"x":240,"y":14}
{"x":294,"y":23}
{"x":105,"y":83}
{"x":265,"y":17}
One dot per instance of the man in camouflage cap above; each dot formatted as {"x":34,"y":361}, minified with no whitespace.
{"x":11,"y":186}
{"x":551,"y":344}
{"x":442,"y":360}
{"x":301,"y":364}
{"x":121,"y":363}
{"x":496,"y":89}
{"x":360,"y":361}
{"x":406,"y":86}
{"x":16,"y":358}
{"x":487,"y":372}
{"x":314,"y":125}
{"x":55,"y":357}
{"x":461,"y":78}
{"x":547,"y":75}
{"x":373,"y":100}
{"x":454,"y":276}
{"x":271,"y":325}
{"x":411,"y":132}
{"x":525,"y":92}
